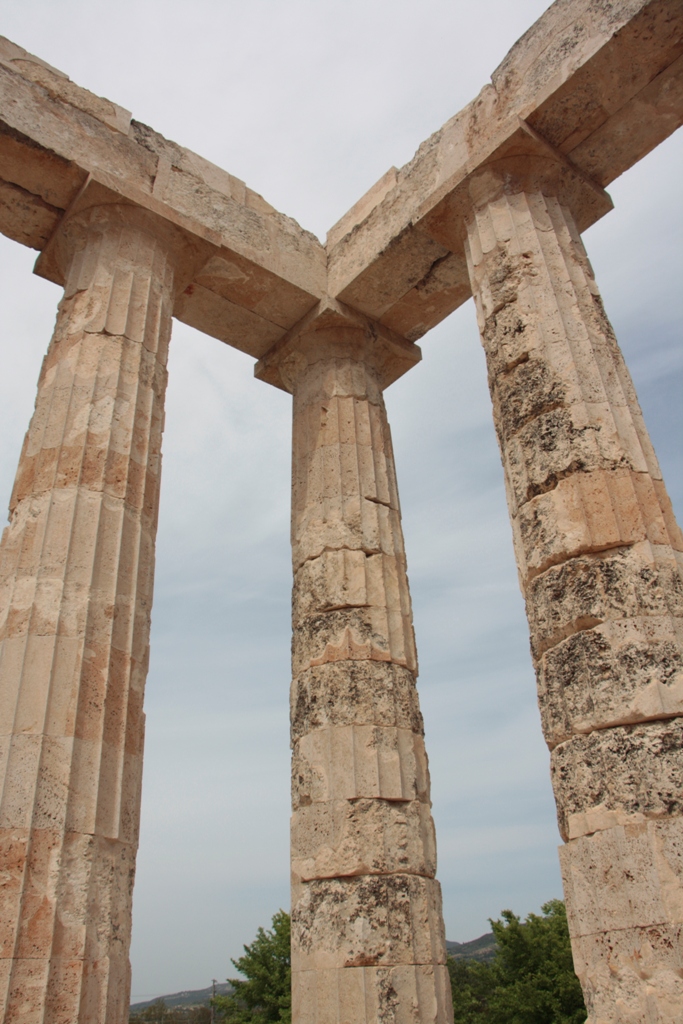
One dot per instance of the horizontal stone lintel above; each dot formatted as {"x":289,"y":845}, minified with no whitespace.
{"x":596,"y":92}
{"x":56,"y":137}
{"x":589,"y":90}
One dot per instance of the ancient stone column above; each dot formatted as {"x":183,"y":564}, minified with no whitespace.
{"x":76,"y":575}
{"x":368,"y":941}
{"x":599,"y":557}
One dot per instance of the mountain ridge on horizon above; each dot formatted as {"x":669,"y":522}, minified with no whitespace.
{"x":482,"y":949}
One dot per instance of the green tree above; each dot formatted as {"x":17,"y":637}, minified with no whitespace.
{"x":157,"y":1013}
{"x":531,"y":979}
{"x":266,"y":994}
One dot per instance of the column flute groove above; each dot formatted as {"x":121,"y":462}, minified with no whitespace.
{"x":76,"y":576}
{"x":600,"y":561}
{"x":368,"y":941}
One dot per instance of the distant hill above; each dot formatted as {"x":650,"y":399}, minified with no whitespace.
{"x":190,"y":997}
{"x":483,"y":948}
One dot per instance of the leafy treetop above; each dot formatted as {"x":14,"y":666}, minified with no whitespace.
{"x":531,"y":979}
{"x":266,"y":994}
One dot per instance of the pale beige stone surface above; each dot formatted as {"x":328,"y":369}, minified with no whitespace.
{"x":632,"y":975}
{"x":76,"y":574}
{"x":599,"y":558}
{"x":621,"y":671}
{"x":601,"y":84}
{"x":402,"y":995}
{"x":349,"y":600}
{"x":491,"y":205}
{"x":621,"y":583}
{"x":363,"y":837}
{"x":614,"y":776}
{"x":367,"y":921}
{"x":624,"y":893}
{"x":363,"y":847}
{"x":355,"y":693}
{"x":355,"y":761}
{"x":624,"y":876}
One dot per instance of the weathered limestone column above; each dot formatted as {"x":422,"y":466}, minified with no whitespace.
{"x":368,"y":942}
{"x":599,"y":557}
{"x":76,"y":575}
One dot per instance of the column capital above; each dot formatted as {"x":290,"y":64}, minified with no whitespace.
{"x":522,"y":162}
{"x":333,"y":330}
{"x":101,"y":202}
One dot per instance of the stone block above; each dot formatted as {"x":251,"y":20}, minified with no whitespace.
{"x":620,"y":672}
{"x":27,"y":983}
{"x":26,"y":664}
{"x":587,"y":512}
{"x":550,"y":447}
{"x":346,"y":693}
{"x":13,"y":847}
{"x":344,"y":486}
{"x":20,"y":757}
{"x":359,"y":761}
{"x":64,"y":989}
{"x":76,"y":899}
{"x":355,"y":523}
{"x":362,"y":837}
{"x":105,"y":990}
{"x":345,"y":579}
{"x":626,"y":583}
{"x":624,"y":877}
{"x":367,"y":633}
{"x":619,"y":776}
{"x":419,"y":994}
{"x":632,"y":975}
{"x":370,"y":921}
{"x":33,"y":918}
{"x":5,"y":974}
{"x":552,"y":415}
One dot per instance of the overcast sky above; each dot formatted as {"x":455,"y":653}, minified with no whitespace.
{"x":310,"y":102}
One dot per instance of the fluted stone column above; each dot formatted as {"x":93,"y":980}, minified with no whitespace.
{"x":77,"y":564}
{"x":368,"y":942}
{"x":599,"y":557}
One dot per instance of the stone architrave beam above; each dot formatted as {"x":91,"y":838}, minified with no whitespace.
{"x":261,"y":273}
{"x":599,"y":83}
{"x":138,"y":229}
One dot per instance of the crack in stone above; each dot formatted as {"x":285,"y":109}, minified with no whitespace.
{"x":617,"y":723}
{"x":424,"y":282}
{"x":535,"y":490}
{"x":524,"y":358}
{"x":342,"y":547}
{"x":560,"y":559}
{"x":343,"y":607}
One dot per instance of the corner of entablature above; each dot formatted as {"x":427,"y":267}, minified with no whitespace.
{"x":330,"y":330}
